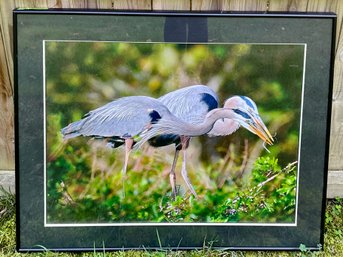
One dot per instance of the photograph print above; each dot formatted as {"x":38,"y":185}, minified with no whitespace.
{"x":142,"y":133}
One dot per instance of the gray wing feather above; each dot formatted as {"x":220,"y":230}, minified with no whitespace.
{"x":187,"y":103}
{"x":125,"y":117}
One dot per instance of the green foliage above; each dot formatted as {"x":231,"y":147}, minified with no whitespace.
{"x":7,"y":223}
{"x":256,"y":202}
{"x":334,"y":227}
{"x":307,"y":252}
{"x":268,"y":197}
{"x":7,"y":204}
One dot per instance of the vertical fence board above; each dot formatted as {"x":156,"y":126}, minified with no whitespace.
{"x":133,"y":5}
{"x":289,"y":5}
{"x":52,"y":4}
{"x":6,"y":87}
{"x":122,"y":5}
{"x":80,"y":4}
{"x":336,"y":139}
{"x":104,"y":4}
{"x":246,"y":5}
{"x":184,"y":5}
{"x":319,"y":5}
{"x":30,"y":4}
{"x":204,"y":5}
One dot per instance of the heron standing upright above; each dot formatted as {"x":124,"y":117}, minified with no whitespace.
{"x":190,"y":104}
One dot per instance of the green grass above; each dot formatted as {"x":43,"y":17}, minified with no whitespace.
{"x":333,"y":238}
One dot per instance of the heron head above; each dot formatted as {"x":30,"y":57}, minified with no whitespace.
{"x":246,"y":113}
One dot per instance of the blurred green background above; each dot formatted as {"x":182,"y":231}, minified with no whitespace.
{"x":236,"y":179}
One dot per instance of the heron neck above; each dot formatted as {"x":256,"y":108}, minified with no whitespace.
{"x":208,"y":123}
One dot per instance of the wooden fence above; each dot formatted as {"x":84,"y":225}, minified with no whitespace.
{"x":335,"y":180}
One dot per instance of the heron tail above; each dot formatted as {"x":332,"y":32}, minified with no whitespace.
{"x":72,"y":130}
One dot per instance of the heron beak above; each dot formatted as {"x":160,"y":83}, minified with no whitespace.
{"x":259,"y":128}
{"x":263,"y":129}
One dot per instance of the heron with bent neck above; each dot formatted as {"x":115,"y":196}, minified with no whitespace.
{"x":197,"y":106}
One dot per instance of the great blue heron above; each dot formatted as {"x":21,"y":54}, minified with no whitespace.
{"x":129,"y":119}
{"x":119,"y":122}
{"x":192,"y":104}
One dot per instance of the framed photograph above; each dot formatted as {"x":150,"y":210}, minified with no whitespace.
{"x":171,"y":130}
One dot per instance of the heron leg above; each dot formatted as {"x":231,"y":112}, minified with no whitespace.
{"x":184,"y":173}
{"x":172,"y":176}
{"x":128,"y":148}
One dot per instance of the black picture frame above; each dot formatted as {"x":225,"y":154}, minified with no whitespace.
{"x":315,"y":31}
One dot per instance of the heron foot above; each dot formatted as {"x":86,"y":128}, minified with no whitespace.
{"x":188,"y":183}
